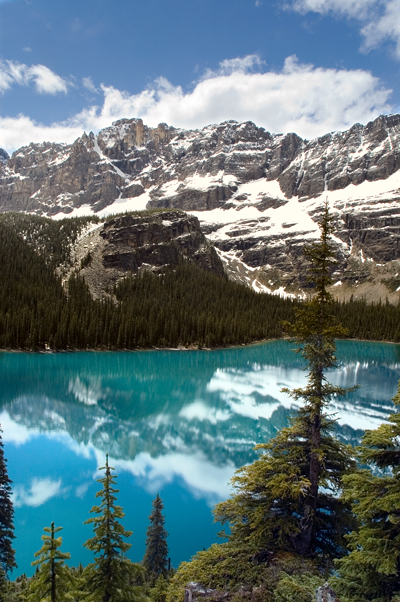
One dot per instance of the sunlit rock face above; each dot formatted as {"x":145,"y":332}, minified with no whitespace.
{"x":257,"y":195}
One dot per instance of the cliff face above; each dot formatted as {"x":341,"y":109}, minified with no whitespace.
{"x":257,"y":195}
{"x":131,"y":243}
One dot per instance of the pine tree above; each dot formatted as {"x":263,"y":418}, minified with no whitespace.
{"x":372,"y":569}
{"x":155,"y":559}
{"x":110,"y":577}
{"x":53,"y":579}
{"x":287,"y":500}
{"x":7,"y":553}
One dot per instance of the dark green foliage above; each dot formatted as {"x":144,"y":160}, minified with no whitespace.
{"x":184,"y":306}
{"x":373,"y":322}
{"x":155,"y":559}
{"x":109,"y":577}
{"x":187,"y":306}
{"x":372,"y":569}
{"x":51,"y":239}
{"x":7,"y":553}
{"x":268,"y":509}
{"x":52,"y":580}
{"x":323,"y":519}
{"x":287,"y":500}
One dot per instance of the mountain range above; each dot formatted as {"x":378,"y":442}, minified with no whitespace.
{"x":258,"y":196}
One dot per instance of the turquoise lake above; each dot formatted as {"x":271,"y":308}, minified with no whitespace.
{"x":177,"y":423}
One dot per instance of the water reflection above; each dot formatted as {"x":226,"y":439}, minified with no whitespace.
{"x":171,"y":421}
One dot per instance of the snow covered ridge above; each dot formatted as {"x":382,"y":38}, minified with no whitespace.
{"x":257,"y":195}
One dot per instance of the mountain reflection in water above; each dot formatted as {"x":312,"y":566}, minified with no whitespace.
{"x":174,"y":422}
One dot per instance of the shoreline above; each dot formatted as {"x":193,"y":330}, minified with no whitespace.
{"x":189,"y":348}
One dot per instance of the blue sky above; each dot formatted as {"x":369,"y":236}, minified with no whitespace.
{"x":310,"y":66}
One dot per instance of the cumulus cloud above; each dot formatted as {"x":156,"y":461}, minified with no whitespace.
{"x":301,"y":98}
{"x":379,"y":19}
{"x":43,"y":78}
{"x":39,"y":492}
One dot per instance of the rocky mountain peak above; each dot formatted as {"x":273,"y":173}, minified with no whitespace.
{"x":257,"y":195}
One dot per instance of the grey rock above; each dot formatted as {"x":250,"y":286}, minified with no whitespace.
{"x":194,"y":591}
{"x":207,"y":170}
{"x":325,"y":594}
{"x":4,"y":156}
{"x":133,"y":243}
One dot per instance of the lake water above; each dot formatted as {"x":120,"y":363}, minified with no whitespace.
{"x":177,"y":423}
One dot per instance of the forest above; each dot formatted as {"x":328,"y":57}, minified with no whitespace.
{"x":184,"y":306}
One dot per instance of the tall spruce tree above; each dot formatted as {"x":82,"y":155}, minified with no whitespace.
{"x":7,"y":553}
{"x":53,"y":580}
{"x":155,"y":559}
{"x":287,"y":500}
{"x":111,"y":574}
{"x":372,"y":569}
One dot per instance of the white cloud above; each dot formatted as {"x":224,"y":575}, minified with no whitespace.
{"x":87,"y":83}
{"x":39,"y":492}
{"x":81,"y":490}
{"x":301,"y":98}
{"x":349,"y":8}
{"x":237,"y":65}
{"x":14,"y":432}
{"x":202,"y":478}
{"x":379,"y":19}
{"x":44,"y":79}
{"x":386,"y":27}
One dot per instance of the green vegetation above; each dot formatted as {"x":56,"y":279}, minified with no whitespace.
{"x":185,"y":306}
{"x":7,"y":553}
{"x":372,"y":569}
{"x":287,"y":504}
{"x":51,"y":239}
{"x":155,"y":559}
{"x":53,"y":579}
{"x":109,"y":578}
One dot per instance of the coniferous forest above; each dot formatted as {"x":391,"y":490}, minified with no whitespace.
{"x":183,"y":306}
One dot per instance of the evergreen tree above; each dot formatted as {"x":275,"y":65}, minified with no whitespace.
{"x":372,"y":569}
{"x":287,"y":500}
{"x":158,"y":593}
{"x":155,"y":559}
{"x":110,"y":576}
{"x":7,"y":553}
{"x":53,"y":580}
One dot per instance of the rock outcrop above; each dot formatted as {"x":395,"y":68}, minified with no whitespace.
{"x":196,"y":592}
{"x":134,"y":242}
{"x":326,"y":594}
{"x":257,"y":195}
